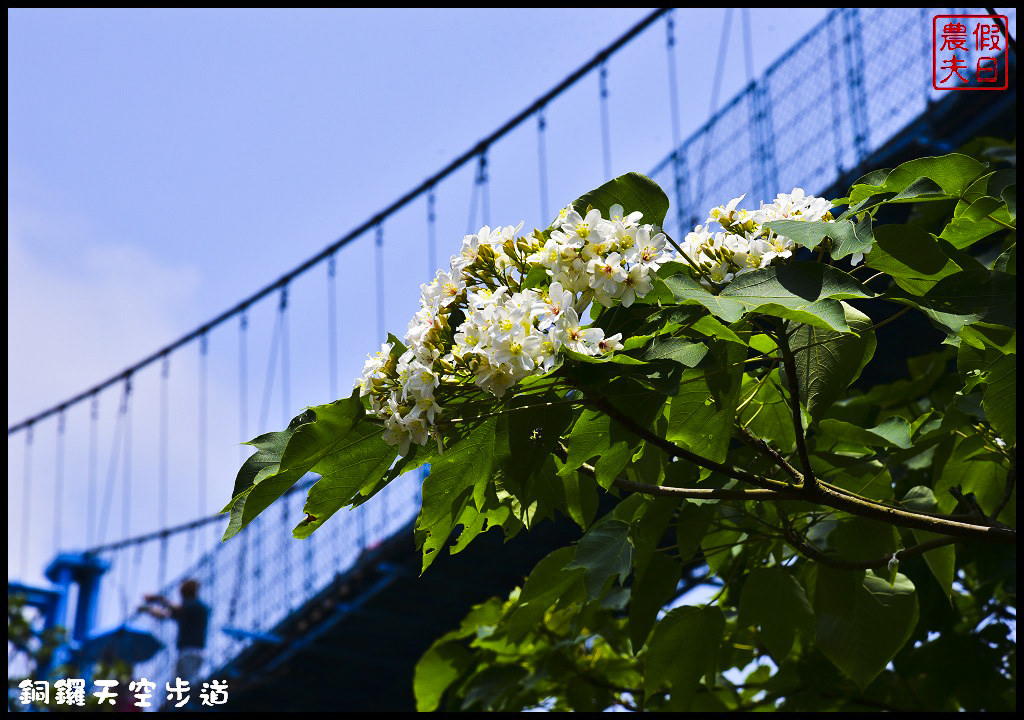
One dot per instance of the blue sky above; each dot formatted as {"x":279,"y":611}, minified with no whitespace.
{"x":163,"y":164}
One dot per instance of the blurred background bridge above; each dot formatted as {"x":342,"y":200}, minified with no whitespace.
{"x":341,"y":618}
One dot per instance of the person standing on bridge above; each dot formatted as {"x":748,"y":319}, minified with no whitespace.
{"x":192,"y":617}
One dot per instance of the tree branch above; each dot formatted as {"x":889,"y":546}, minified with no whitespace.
{"x":825,"y":495}
{"x":810,"y":484}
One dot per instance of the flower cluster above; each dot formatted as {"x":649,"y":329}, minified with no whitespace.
{"x":505,"y":309}
{"x":744,"y":244}
{"x":508,"y":305}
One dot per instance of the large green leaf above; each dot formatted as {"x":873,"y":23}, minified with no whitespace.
{"x":862,"y":640}
{"x":828,"y":362}
{"x":603,"y":552}
{"x":358,"y":463}
{"x":973,"y":469}
{"x":847,"y":237}
{"x":911,"y":256}
{"x":547,"y":583}
{"x":941,"y":561}
{"x":1000,"y":401}
{"x":953,"y":174}
{"x":439,"y":667}
{"x":973,"y":221}
{"x":799,"y":286}
{"x":318,"y":435}
{"x":650,"y":592}
{"x":633,"y":192}
{"x":596,"y":434}
{"x":682,"y":648}
{"x":775,"y":601}
{"x":469,"y":463}
{"x":702,"y":413}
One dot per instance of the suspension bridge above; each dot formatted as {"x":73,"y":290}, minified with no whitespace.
{"x":345,"y":610}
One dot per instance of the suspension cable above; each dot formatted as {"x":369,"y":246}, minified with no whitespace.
{"x":201,"y":424}
{"x":379,"y":267}
{"x":542,"y":166}
{"x":26,"y":500}
{"x":112,"y":467}
{"x":285,"y":373}
{"x":243,"y":379}
{"x":431,"y":235}
{"x":606,"y":141}
{"x":332,"y":328}
{"x":723,"y":45}
{"x":94,"y":415}
{"x":268,"y":386}
{"x":58,"y":483}
{"x":673,"y":99}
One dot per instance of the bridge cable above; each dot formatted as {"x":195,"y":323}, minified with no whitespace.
{"x":432,"y":267}
{"x":748,"y":48}
{"x":163,"y":500}
{"x":286,"y":566}
{"x":479,"y":196}
{"x":606,"y":141}
{"x":243,"y":326}
{"x":112,"y":467}
{"x":268,"y":387}
{"x":26,"y":498}
{"x":94,"y":414}
{"x":723,"y":46}
{"x":285,"y":366}
{"x":542,"y":165}
{"x":673,"y":98}
{"x":126,"y":485}
{"x":201,"y":424}
{"x":379,"y":268}
{"x":332,"y":327}
{"x":58,"y":493}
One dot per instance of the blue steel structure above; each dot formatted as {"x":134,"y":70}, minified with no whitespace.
{"x":279,"y":604}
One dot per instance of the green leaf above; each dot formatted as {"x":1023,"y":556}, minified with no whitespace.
{"x":941,"y":561}
{"x":549,"y":580}
{"x":953,"y":173}
{"x":319,"y":435}
{"x":633,"y":192}
{"x":603,"y":552}
{"x":973,"y":469}
{"x":797,"y":286}
{"x":691,"y":527}
{"x":775,"y":601}
{"x":702,"y":413}
{"x":862,"y":641}
{"x":596,"y":434}
{"x":682,"y":648}
{"x":1000,"y":401}
{"x":971,"y":222}
{"x":860,"y":539}
{"x":1009,"y":196}
{"x":677,"y":350}
{"x":359,"y":462}
{"x":847,"y":237}
{"x":439,"y":667}
{"x":893,"y":432}
{"x":450,"y":484}
{"x":828,"y":362}
{"x":651,"y":591}
{"x":801,"y":291}
{"x":911,"y":257}
{"x":969,"y":297}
